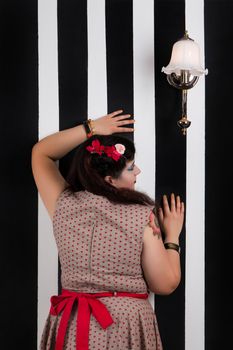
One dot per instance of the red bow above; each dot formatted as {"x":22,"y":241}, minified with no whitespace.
{"x":87,"y":303}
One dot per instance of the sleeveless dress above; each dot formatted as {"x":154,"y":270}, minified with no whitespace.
{"x":100,"y":245}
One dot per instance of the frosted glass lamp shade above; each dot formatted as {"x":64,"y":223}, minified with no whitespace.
{"x":185,"y":56}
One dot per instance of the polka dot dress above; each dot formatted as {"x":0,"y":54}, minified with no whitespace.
{"x":100,"y":245}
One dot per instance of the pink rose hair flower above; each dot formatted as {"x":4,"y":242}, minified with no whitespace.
{"x":120,"y":148}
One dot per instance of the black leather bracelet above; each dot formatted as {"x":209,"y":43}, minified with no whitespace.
{"x":87,"y":128}
{"x":170,"y":245}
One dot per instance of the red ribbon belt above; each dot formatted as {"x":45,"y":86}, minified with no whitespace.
{"x":87,"y":304}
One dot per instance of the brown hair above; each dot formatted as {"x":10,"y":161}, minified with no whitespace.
{"x":88,"y":170}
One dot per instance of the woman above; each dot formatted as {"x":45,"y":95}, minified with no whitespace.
{"x":108,"y":238}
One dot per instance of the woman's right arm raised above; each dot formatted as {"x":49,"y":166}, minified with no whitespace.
{"x":49,"y":181}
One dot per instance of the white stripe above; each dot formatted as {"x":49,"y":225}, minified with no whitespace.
{"x":48,"y":124}
{"x":194,"y":280}
{"x":144,"y":100}
{"x":97,"y":74}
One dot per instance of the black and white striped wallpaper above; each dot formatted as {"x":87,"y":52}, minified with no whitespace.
{"x":62,"y":61}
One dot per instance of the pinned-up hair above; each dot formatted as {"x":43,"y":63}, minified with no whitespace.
{"x":90,"y":166}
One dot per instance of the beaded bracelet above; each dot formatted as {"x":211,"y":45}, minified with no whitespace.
{"x":174,"y":246}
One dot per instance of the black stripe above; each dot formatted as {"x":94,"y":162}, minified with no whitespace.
{"x":72,"y":62}
{"x":19,"y":131}
{"x":72,"y":66}
{"x":170,"y":157}
{"x":219,"y":145}
{"x":119,"y":50}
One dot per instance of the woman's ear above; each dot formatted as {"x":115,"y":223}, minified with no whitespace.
{"x":108,"y":179}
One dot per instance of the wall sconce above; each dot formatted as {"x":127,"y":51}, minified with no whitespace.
{"x":183,"y":72}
